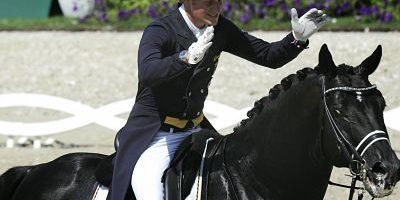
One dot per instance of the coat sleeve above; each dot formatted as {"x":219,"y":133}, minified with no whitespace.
{"x":272,"y":55}
{"x":156,"y":63}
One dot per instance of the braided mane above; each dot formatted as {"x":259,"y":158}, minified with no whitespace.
{"x":284,"y":85}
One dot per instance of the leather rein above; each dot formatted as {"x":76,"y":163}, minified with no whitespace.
{"x":357,"y":164}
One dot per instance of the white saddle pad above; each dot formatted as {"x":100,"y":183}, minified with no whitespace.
{"x":101,"y":193}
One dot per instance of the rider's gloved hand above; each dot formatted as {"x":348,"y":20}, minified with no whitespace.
{"x":198,"y":49}
{"x":308,"y":24}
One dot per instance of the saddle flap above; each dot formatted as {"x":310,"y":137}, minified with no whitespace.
{"x":180,"y":175}
{"x":104,"y":170}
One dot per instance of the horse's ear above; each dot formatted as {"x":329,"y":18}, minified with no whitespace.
{"x":369,"y":65}
{"x":326,"y":64}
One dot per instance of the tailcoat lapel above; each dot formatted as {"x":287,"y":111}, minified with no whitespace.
{"x":185,"y":36}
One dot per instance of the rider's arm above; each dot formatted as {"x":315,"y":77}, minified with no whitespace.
{"x":156,"y":63}
{"x":272,"y":55}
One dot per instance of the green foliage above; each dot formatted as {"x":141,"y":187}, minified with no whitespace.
{"x":129,"y":4}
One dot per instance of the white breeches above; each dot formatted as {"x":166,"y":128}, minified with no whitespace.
{"x":146,"y":177}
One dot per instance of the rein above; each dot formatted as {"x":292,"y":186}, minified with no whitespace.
{"x":357,"y":163}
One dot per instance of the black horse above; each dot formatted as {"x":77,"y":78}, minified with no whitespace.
{"x":313,"y":120}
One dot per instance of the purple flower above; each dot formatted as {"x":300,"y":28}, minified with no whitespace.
{"x":374,"y":10}
{"x":252,"y":8}
{"x":75,"y":7}
{"x":283,"y":7}
{"x":103,"y":17}
{"x":123,"y":15}
{"x":346,"y":6}
{"x":126,"y":14}
{"x":386,"y":17}
{"x":326,"y":6}
{"x":245,"y":18}
{"x":261,"y":12}
{"x":340,"y":10}
{"x":228,"y":7}
{"x":364,"y":10}
{"x":152,"y":11}
{"x":269,"y":3}
{"x":165,"y":5}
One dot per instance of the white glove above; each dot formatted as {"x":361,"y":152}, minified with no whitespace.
{"x":197,"y":50}
{"x":308,"y":24}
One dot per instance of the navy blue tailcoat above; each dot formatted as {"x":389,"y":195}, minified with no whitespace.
{"x":169,"y":86}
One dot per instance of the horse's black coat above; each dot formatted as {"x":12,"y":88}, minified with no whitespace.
{"x":285,"y":150}
{"x":10,"y":180}
{"x":69,"y":177}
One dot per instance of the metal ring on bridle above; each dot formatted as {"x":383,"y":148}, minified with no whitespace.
{"x":356,"y":168}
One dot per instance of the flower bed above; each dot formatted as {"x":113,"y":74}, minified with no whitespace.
{"x":382,"y":11}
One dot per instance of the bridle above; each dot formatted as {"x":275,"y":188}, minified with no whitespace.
{"x":357,"y":163}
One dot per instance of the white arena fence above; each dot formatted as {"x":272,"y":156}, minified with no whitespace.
{"x":221,"y":116}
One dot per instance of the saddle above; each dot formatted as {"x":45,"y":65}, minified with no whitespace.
{"x":180,"y":176}
{"x":104,"y":170}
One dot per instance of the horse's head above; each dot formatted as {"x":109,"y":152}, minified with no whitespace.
{"x":354,"y":119}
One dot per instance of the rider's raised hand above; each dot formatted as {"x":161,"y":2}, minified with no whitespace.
{"x":308,"y":24}
{"x":198,"y":49}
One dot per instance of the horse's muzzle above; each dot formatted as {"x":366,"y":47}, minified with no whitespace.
{"x":381,"y":179}
{"x":398,"y":174}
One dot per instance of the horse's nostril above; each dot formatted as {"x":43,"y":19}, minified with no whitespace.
{"x":379,"y":168}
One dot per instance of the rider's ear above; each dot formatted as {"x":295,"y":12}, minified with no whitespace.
{"x":326,"y":64}
{"x":369,"y":65}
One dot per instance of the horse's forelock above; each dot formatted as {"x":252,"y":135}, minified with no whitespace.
{"x":346,"y":69}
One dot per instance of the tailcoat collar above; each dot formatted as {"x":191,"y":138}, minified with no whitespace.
{"x":181,"y":28}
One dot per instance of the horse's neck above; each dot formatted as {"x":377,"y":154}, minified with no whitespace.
{"x":281,"y":147}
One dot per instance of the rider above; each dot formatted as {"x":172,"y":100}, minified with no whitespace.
{"x":178,"y":55}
